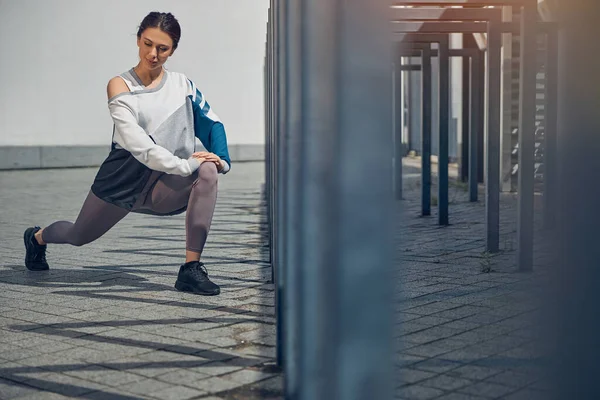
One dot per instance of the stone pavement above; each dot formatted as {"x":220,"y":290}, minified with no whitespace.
{"x":466,"y":320}
{"x":106,"y":323}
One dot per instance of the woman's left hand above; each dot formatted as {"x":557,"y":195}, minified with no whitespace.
{"x":212,"y":157}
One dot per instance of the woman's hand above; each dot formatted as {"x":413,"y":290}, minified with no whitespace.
{"x":198,"y":157}
{"x":212,"y":157}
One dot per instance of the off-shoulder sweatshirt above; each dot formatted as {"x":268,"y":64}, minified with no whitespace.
{"x":155,"y":130}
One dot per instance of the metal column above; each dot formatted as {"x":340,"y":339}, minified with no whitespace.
{"x":345,"y":202}
{"x":475,"y":126}
{"x":527,"y":137}
{"x":550,"y":138}
{"x":466,"y":118}
{"x":293,"y":174}
{"x":492,"y":184}
{"x":398,"y":120}
{"x":576,"y":236}
{"x":280,"y":175}
{"x":481,"y":120}
{"x":269,"y":143}
{"x":444,"y":134}
{"x":426,"y":114}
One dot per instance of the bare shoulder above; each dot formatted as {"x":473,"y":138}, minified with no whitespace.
{"x":115,"y":87}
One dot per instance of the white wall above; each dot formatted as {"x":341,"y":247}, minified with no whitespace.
{"x":56,"y":57}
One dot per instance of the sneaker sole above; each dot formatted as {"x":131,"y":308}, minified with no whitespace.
{"x":27,"y":266}
{"x":184,"y":287}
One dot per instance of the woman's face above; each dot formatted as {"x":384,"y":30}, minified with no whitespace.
{"x":156,"y":47}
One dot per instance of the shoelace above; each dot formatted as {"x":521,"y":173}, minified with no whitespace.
{"x":199,"y":271}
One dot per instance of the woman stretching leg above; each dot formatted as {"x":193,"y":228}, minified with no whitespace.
{"x":144,"y":172}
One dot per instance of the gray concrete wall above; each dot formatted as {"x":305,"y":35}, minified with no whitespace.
{"x":32,"y":157}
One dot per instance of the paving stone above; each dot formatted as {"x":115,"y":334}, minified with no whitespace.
{"x":474,"y":372}
{"x":427,"y":350}
{"x":418,"y":392}
{"x":450,"y":344}
{"x":437,"y":365}
{"x":62,"y":384}
{"x":528,"y":394}
{"x":185,"y":377}
{"x":409,"y":376}
{"x":216,"y":385}
{"x":217,"y":368}
{"x":405,"y":360}
{"x":275,"y":384}
{"x":486,"y":389}
{"x":106,"y":376}
{"x":432,"y":320}
{"x":114,"y":394}
{"x":165,"y":356}
{"x":14,"y":372}
{"x":18,"y":354}
{"x":246,"y":376}
{"x":11,"y":390}
{"x":146,"y":387}
{"x":152,"y":370}
{"x":51,"y":362}
{"x":513,"y":379}
{"x":257,"y":350}
{"x":177,"y":393}
{"x":460,"y":396}
{"x":446,"y":382}
{"x":49,"y":396}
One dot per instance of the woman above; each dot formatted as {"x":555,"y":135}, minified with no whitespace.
{"x":152,"y":167}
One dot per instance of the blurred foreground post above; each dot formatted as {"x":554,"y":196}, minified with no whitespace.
{"x":577,"y":236}
{"x":344,"y":202}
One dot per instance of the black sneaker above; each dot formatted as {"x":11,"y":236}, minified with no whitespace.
{"x":193,"y":278}
{"x":35,"y":254}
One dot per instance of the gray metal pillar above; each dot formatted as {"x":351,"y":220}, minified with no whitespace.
{"x":398,"y":111}
{"x":266,"y":116}
{"x":426,"y":117}
{"x":280,"y":176}
{"x":435,"y":101}
{"x":481,"y":120}
{"x":293,"y":173}
{"x":267,"y":93}
{"x":527,"y":136}
{"x":269,"y":144}
{"x":475,"y":126}
{"x":550,"y":138}
{"x":492,"y":184}
{"x":444,"y":133}
{"x":406,"y":107}
{"x":506,"y":136}
{"x":345,"y":202}
{"x":466,"y":118}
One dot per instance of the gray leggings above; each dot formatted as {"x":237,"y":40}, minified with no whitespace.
{"x":164,"y":194}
